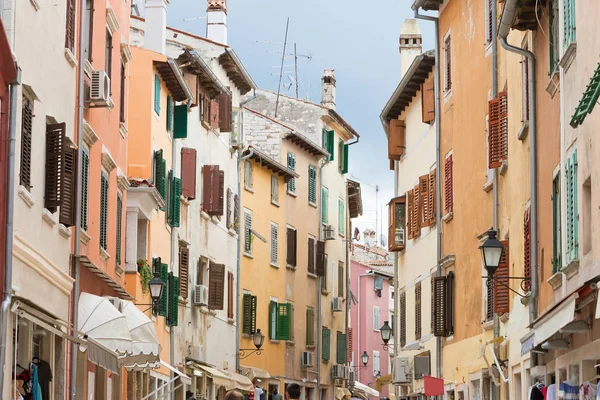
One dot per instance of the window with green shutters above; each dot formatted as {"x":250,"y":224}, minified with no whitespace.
{"x":291,"y":163}
{"x":174,"y":203}
{"x":156,"y":94}
{"x":169,"y":114}
{"x":326,"y":349}
{"x":172,"y":300}
{"x":103,"y":210}
{"x":180,"y":117}
{"x":160,"y":173}
{"x":572,"y":211}
{"x":554,"y":41}
{"x":310,"y":326}
{"x":119,"y":228}
{"x":556,"y":226}
{"x":343,"y":157}
{"x":85,"y":176}
{"x":341,"y":216}
{"x":569,"y":22}
{"x":588,"y":100}
{"x":273,"y":320}
{"x":284,"y":321}
{"x":164,"y":302}
{"x":248,"y":314}
{"x":312,"y":185}
{"x":341,"y":348}
{"x":328,"y":142}
{"x":324,"y":205}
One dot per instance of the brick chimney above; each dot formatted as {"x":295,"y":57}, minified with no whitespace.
{"x":328,"y":89}
{"x":411,"y":43}
{"x":155,"y":30}
{"x":216,"y":25}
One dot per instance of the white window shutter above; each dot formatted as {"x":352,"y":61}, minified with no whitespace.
{"x":274,"y":244}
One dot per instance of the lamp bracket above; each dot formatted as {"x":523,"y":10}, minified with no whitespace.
{"x":244,"y":355}
{"x":522,"y":279}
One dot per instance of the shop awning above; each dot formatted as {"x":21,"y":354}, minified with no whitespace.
{"x":146,"y":346}
{"x":178,"y":374}
{"x":340,"y":393}
{"x":553,"y":321}
{"x":102,"y":356}
{"x":255,"y":373}
{"x":369,"y":391}
{"x":598,"y":308}
{"x":240,"y":382}
{"x":219,"y":378}
{"x":382,"y":380}
{"x":433,"y":386}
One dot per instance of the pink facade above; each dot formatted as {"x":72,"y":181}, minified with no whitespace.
{"x":366,"y":318}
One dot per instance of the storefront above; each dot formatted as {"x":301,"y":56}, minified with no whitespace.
{"x":212,"y":384}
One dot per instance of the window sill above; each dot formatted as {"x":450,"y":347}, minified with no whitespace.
{"x":26,"y":196}
{"x":85,"y":238}
{"x":448,"y":217}
{"x":293,"y":194}
{"x":487,"y":325}
{"x":232,"y":232}
{"x":204,"y":216}
{"x":489,"y":185}
{"x":212,"y":312}
{"x":571,"y":269}
{"x":311,"y":275}
{"x":111,"y":103}
{"x":567,"y":58}
{"x":204,"y":309}
{"x":290,"y":342}
{"x":274,"y":341}
{"x":553,"y":83}
{"x":524,"y":131}
{"x":503,"y":168}
{"x":88,"y":68}
{"x":231,"y":321}
{"x":447,"y":95}
{"x":215,"y":220}
{"x":275,"y":203}
{"x":49,"y":218}
{"x":313,"y":205}
{"x":250,"y":256}
{"x":525,"y":300}
{"x":206,"y":125}
{"x":70,"y":58}
{"x":504,"y":318}
{"x":342,"y":235}
{"x":310,"y":346}
{"x":123,"y":129}
{"x":324,"y":292}
{"x":35,"y":4}
{"x":119,"y":270}
{"x":274,"y":265}
{"x":291,"y":267}
{"x":555,"y":280}
{"x":104,"y":254}
{"x":248,"y":189}
{"x":64,"y":231}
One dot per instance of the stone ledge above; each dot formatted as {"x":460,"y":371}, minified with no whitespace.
{"x":571,"y":269}
{"x":64,"y":231}
{"x":26,"y":196}
{"x":555,"y":280}
{"x":49,"y":218}
{"x":85,"y":238}
{"x":70,"y":58}
{"x":104,"y":254}
{"x":448,"y":217}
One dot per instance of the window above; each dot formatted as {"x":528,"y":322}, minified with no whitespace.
{"x":188,"y":173}
{"x":328,"y":142}
{"x":156,"y":94}
{"x":273,"y":320}
{"x":341,"y":279}
{"x":213,"y":191}
{"x":403,"y":319}
{"x":248,"y":314}
{"x":201,"y":270}
{"x":225,"y":112}
{"x":310,"y":326}
{"x":554,"y":41}
{"x":448,"y":183}
{"x":248,"y":178}
{"x":311,"y":255}
{"x":170,"y":114}
{"x":26,"y":138}
{"x":397,"y":221}
{"x":160,"y":173}
{"x":247,"y":232}
{"x":572,"y":208}
{"x":280,"y":320}
{"x":312,"y":185}
{"x":216,"y":286}
{"x":324,"y":277}
{"x":274,"y":245}
{"x":527,"y":248}
{"x":85,"y":174}
{"x":174,"y":203}
{"x":376,"y":363}
{"x":122,"y":99}
{"x":184,"y":268}
{"x":341,"y":348}
{"x":108,"y":55}
{"x":490,"y":171}
{"x":448,"y":64}
{"x":569,"y":22}
{"x":89,"y":25}
{"x":341,"y":217}
{"x":376,"y":318}
{"x":70,"y":26}
{"x":418,"y":311}
{"x":274,"y":189}
{"x":291,"y":163}
{"x":489,"y":34}
{"x":489,"y":302}
{"x":443,"y":305}
{"x":556,"y":226}
{"x":343,"y":157}
{"x":325,"y":205}
{"x":326,"y":338}
{"x":497,"y":130}
{"x":103,"y":210}
{"x":292,"y":245}
{"x":586,"y":204}
{"x":119,"y":228}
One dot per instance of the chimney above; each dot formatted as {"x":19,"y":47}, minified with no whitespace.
{"x":155,"y":31}
{"x":328,"y":89}
{"x":410,"y":44}
{"x":216,"y":23}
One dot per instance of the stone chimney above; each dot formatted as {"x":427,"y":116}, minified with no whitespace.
{"x":411,"y":44}
{"x":328,"y":89}
{"x":155,"y":30}
{"x":216,"y":23}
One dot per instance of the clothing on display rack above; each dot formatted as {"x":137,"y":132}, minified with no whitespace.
{"x":588,"y":391}
{"x":568,"y":392}
{"x":535,"y":392}
{"x":36,"y":390}
{"x":550,"y":393}
{"x":44,"y":376}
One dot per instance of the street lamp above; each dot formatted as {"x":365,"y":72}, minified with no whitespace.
{"x":386,"y":334}
{"x":258,"y":339}
{"x":156,"y":287}
{"x":364,"y":358}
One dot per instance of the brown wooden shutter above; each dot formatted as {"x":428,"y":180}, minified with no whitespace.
{"x":350,"y":348}
{"x":432,"y":198}
{"x":55,"y":138}
{"x":448,"y":56}
{"x":311,"y":255}
{"x":490,"y":16}
{"x":424,"y":194}
{"x":417,"y":211}
{"x":230,"y":296}
{"x":220,"y":196}
{"x":418,"y":311}
{"x":439,"y":297}
{"x":501,"y":283}
{"x":428,"y":100}
{"x":403,"y":319}
{"x":192,"y":82}
{"x":210,"y":199}
{"x":225,"y":112}
{"x":448,"y":180}
{"x":26,"y":139}
{"x":184,"y":267}
{"x":392,"y":166}
{"x":449,"y":304}
{"x":214,"y":114}
{"x":527,"y":248}
{"x":498,"y":130}
{"x":188,"y":173}
{"x":216,"y":286}
{"x":410,"y":214}
{"x":291,"y":247}
{"x":236,"y":213}
{"x":228,"y":219}
{"x":321,"y":260}
{"x":68,"y":187}
{"x":396,"y":139}
{"x":70,"y":26}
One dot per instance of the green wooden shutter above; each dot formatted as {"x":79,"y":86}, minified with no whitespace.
{"x":341,"y":348}
{"x":283,"y":321}
{"x":169,"y":199}
{"x":556,"y":237}
{"x":156,"y":94}
{"x":312,"y":184}
{"x":247,"y":314}
{"x":119,"y":228}
{"x":85,"y":174}
{"x":272,"y":319}
{"x":345,"y":165}
{"x":169,"y":114}
{"x":103,"y":211}
{"x":331,"y":144}
{"x":310,"y":327}
{"x":326,"y":338}
{"x":164,"y":276}
{"x":341,"y":217}
{"x":324,"y":205}
{"x":174,"y":207}
{"x":291,"y":163}
{"x":173,"y":306}
{"x":574,"y":186}
{"x":181,"y":122}
{"x":160,"y":173}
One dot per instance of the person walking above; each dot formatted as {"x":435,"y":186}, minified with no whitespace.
{"x":276,"y":395}
{"x":292,"y":392}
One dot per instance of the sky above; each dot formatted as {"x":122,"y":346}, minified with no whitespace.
{"x":357,"y":38}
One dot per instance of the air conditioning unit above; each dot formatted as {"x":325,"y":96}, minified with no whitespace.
{"x":400,"y":370}
{"x":351,"y":378}
{"x":200,"y":297}
{"x":338,"y":304}
{"x":339,"y":371}
{"x":100,"y":88}
{"x":308,"y":359}
{"x":329,"y":232}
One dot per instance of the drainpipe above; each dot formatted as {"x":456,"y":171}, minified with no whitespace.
{"x":508,"y":16}
{"x":10,"y":201}
{"x":323,"y":162}
{"x":396,"y":283}
{"x":239,"y":241}
{"x":438,"y":175}
{"x":174,"y":245}
{"x":359,"y":312}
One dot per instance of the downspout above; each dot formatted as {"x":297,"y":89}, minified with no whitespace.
{"x":325,"y":161}
{"x":239,"y":241}
{"x":508,"y":16}
{"x":396,"y":283}
{"x":10,"y":201}
{"x":438,"y":175}
{"x":78,"y":190}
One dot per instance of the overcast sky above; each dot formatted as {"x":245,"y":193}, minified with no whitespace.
{"x":357,"y":38}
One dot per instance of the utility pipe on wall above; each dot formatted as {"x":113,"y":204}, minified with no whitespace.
{"x":370,"y":273}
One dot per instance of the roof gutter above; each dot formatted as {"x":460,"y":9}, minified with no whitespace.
{"x":179,"y":76}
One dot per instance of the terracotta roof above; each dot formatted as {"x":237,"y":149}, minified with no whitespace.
{"x":236,"y":71}
{"x":139,"y":182}
{"x":173,"y":78}
{"x":270,"y":163}
{"x":380,"y":251}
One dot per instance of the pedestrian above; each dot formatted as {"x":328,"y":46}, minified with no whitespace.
{"x":189,"y":395}
{"x":234,"y":395}
{"x":292,"y":392}
{"x":276,"y":395}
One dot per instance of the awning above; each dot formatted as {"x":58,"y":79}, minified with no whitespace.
{"x":433,"y":386}
{"x":178,"y":374}
{"x":146,"y":346}
{"x":219,"y":378}
{"x":184,"y":379}
{"x":550,"y":323}
{"x":340,"y":393}
{"x":369,"y":391}
{"x":102,"y":356}
{"x":240,"y":382}
{"x":382,"y":380}
{"x":102,"y":322}
{"x":598,"y":308}
{"x":255,"y":373}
